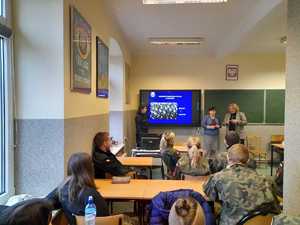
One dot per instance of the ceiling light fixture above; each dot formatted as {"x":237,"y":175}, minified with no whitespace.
{"x":176,"y":41}
{"x":181,"y":1}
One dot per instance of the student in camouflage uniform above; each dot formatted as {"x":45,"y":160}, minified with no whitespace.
{"x":167,"y":151}
{"x":193,"y":163}
{"x":219,"y":162}
{"x":239,"y":188}
{"x":286,"y":220}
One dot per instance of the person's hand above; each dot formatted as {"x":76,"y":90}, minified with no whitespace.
{"x":217,"y":126}
{"x":234,"y":121}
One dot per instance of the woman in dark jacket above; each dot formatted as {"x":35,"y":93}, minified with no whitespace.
{"x":104,"y":161}
{"x":73,"y":194}
{"x":141,"y":124}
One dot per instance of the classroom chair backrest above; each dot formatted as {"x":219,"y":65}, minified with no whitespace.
{"x":260,"y":216}
{"x":106,"y":220}
{"x":277,"y":139}
{"x":199,"y":178}
{"x":260,"y":220}
{"x":59,"y":218}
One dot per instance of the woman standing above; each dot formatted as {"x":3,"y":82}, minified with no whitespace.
{"x":141,"y":124}
{"x":211,"y":125}
{"x":236,"y":121}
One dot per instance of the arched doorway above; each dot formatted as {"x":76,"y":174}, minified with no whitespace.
{"x":116,"y":91}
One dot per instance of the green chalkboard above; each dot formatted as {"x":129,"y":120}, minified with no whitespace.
{"x":251,"y":102}
{"x":275,"y":106}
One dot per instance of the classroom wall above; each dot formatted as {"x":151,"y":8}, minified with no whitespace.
{"x":52,"y":121}
{"x":38,"y":58}
{"x":84,"y":113}
{"x":291,"y":183}
{"x":257,"y":71}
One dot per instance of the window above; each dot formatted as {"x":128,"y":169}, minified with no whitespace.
{"x":3,"y":121}
{"x":6,"y":110}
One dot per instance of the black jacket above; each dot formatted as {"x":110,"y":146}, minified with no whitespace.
{"x":141,"y":123}
{"x":106,"y":162}
{"x":77,"y":207}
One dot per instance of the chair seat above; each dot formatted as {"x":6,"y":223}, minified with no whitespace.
{"x":106,"y":220}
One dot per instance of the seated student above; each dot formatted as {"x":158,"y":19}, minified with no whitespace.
{"x":279,"y":179}
{"x":283,"y":219}
{"x":186,"y":211}
{"x":29,"y":212}
{"x":239,"y":188}
{"x":73,"y":193}
{"x":219,"y":162}
{"x":193,"y":163}
{"x":168,"y":153}
{"x":161,"y":205}
{"x":104,"y":161}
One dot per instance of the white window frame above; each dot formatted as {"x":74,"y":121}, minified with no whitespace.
{"x":9,"y":99}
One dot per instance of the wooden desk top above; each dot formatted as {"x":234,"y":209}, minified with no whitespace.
{"x":279,"y":146}
{"x":140,"y":161}
{"x":143,"y":189}
{"x":132,"y":191}
{"x":156,"y":186}
{"x":180,"y":148}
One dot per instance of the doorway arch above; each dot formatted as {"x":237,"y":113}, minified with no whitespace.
{"x":116,"y":91}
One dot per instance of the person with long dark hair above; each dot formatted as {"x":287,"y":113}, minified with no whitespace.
{"x":73,"y":193}
{"x":141,"y":124}
{"x":104,"y":161}
{"x":29,"y":212}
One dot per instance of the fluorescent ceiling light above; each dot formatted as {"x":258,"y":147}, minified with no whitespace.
{"x":181,"y":1}
{"x":176,"y":41}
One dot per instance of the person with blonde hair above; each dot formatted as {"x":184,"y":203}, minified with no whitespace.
{"x":194,"y":163}
{"x":186,"y":211}
{"x":235,"y":121}
{"x":240,"y":189}
{"x":193,"y":141}
{"x":168,"y":153}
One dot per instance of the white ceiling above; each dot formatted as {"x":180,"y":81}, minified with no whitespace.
{"x":239,"y":25}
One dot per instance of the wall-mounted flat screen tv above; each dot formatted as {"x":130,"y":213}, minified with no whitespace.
{"x":172,"y":107}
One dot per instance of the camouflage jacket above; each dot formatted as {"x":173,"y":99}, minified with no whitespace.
{"x":201,"y":169}
{"x":240,"y":190}
{"x":286,"y":220}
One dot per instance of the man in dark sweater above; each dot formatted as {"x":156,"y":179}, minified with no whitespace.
{"x":104,"y":161}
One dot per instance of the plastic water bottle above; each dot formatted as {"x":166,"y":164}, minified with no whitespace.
{"x":90,"y":212}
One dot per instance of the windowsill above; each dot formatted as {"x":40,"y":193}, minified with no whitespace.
{"x":4,"y":198}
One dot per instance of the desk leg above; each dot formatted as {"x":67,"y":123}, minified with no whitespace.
{"x":162,"y":172}
{"x":272,"y":159}
{"x":150,"y":170}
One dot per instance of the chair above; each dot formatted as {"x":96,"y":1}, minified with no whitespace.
{"x":257,"y":220}
{"x":277,"y":139}
{"x":59,"y":218}
{"x":255,"y":149}
{"x":106,"y":220}
{"x":199,"y":178}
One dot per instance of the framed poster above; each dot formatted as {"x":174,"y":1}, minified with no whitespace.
{"x":81,"y":53}
{"x":232,"y":72}
{"x":127,"y":83}
{"x":102,"y":81}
